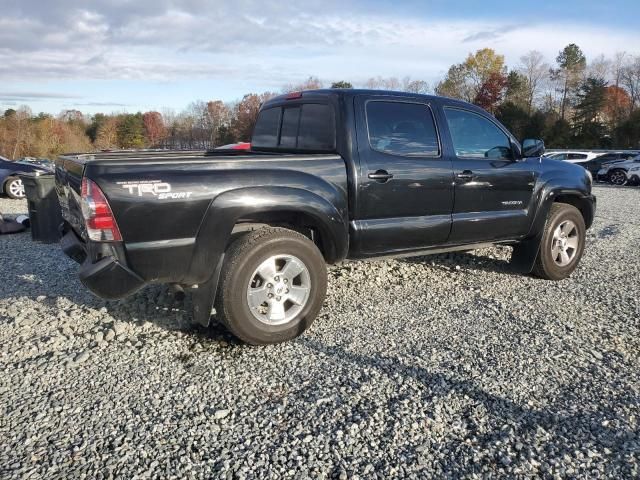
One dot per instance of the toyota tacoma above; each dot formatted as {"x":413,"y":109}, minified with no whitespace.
{"x":331,"y":175}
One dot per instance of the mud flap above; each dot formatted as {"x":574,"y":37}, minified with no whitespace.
{"x":203,"y":297}
{"x":525,"y":253}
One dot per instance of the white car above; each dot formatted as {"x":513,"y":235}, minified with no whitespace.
{"x":619,"y":173}
{"x":633,"y":174}
{"x":573,"y":157}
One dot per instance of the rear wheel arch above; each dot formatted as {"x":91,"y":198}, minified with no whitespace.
{"x":302,"y":222}
{"x":287,"y":207}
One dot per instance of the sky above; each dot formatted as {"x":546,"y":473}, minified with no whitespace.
{"x":118,"y":55}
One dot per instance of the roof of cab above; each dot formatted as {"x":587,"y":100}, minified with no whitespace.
{"x":351,"y":92}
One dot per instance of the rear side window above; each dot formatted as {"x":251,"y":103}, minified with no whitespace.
{"x":317,"y":127}
{"x":309,"y":126}
{"x":400,"y":128}
{"x":474,"y":136}
{"x":265,"y":133}
{"x":289,"y":133}
{"x":577,"y":156}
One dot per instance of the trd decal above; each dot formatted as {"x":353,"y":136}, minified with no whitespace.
{"x":156,"y":188}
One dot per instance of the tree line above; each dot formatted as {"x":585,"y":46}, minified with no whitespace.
{"x":570,"y":103}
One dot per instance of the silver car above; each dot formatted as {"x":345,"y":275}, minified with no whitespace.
{"x":617,"y":172}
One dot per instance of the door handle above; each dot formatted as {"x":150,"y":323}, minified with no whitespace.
{"x":381,"y":176}
{"x":466,"y":175}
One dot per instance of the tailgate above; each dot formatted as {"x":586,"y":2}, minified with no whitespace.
{"x":69,"y":171}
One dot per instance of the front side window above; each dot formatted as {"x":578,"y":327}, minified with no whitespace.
{"x":577,"y":156}
{"x":474,"y":136}
{"x":400,"y":128}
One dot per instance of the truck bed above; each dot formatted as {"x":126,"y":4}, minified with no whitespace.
{"x":161,"y":199}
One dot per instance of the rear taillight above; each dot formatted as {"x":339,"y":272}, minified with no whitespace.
{"x":98,"y":217}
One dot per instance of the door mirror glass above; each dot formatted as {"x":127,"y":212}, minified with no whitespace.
{"x":532,"y":148}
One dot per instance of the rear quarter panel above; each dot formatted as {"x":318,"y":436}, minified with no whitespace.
{"x":160,"y":207}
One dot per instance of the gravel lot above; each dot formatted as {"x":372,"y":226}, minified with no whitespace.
{"x":447,"y":366}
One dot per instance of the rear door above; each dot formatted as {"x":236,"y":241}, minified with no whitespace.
{"x":493,"y":190}
{"x":405,"y":194}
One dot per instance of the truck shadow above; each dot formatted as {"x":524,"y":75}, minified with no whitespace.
{"x":464,"y":261}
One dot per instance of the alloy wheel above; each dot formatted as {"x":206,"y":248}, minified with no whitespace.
{"x":279,"y":289}
{"x":564,"y":245}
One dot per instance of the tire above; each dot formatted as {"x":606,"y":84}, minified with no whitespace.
{"x":564,"y":223}
{"x":618,"y":178}
{"x":265,"y":263}
{"x":14,"y":188}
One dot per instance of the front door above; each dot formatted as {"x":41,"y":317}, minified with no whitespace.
{"x":493,"y":190}
{"x":405,"y":191}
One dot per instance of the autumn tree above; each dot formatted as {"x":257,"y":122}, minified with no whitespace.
{"x":380,"y":83}
{"x":415,"y":86}
{"x":466,"y":80}
{"x":616,"y":111}
{"x":341,"y":84}
{"x":455,"y":84}
{"x":616,"y":99}
{"x":631,"y":81}
{"x":17,"y":135}
{"x":491,"y":91}
{"x":219,"y":120}
{"x":154,"y":128}
{"x":535,"y":71}
{"x":246,"y":114}
{"x":311,"y":83}
{"x":107,"y":134}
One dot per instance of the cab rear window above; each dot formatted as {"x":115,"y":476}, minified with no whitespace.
{"x":308,"y":127}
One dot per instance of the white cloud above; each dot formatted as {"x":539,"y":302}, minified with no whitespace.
{"x":264,"y":44}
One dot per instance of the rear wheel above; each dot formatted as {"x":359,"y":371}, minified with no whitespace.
{"x":618,"y":177}
{"x":14,"y":188}
{"x":273,"y":284}
{"x":562,"y":243}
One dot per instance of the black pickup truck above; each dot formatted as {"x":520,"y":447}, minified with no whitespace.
{"x":331,"y":175}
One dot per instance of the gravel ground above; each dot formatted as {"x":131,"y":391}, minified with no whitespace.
{"x":446,"y":366}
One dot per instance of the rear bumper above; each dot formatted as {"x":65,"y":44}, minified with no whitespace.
{"x":107,"y":276}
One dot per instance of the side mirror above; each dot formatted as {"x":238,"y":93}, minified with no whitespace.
{"x":532,"y":148}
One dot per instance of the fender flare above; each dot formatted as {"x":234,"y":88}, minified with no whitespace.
{"x":525,"y":253}
{"x":227,"y":208}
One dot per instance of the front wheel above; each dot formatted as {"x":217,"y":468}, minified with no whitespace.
{"x":562,"y":243}
{"x":618,"y":177}
{"x":14,"y":188}
{"x":273,"y":284}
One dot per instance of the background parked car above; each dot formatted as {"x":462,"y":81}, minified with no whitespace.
{"x":616,"y":173}
{"x":573,"y":157}
{"x":633,"y":175}
{"x":39,"y":162}
{"x":9,"y":171}
{"x":596,"y":164}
